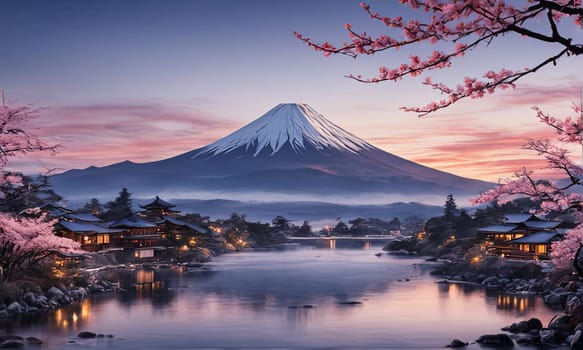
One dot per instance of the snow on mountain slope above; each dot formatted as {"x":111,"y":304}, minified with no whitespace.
{"x":287,"y":123}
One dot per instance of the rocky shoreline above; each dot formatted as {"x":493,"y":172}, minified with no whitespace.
{"x":53,"y":298}
{"x":566,"y":293}
{"x":31,"y":299}
{"x":28,"y":298}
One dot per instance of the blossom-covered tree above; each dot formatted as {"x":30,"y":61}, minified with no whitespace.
{"x":457,"y":27}
{"x":15,"y":135}
{"x":24,"y":239}
{"x":560,"y":196}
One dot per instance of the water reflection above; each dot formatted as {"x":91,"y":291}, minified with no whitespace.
{"x":329,"y":243}
{"x":302,"y":277}
{"x":73,"y":317}
{"x":367,"y":245}
{"x":456,"y":289}
{"x":289,"y":299}
{"x":332,"y":243}
{"x":144,"y":285}
{"x":300,"y":317}
{"x":346,"y":243}
{"x":518,"y":303}
{"x":515,"y":303}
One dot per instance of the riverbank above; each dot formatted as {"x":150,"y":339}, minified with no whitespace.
{"x":51,"y":289}
{"x":562,"y":291}
{"x":28,"y":297}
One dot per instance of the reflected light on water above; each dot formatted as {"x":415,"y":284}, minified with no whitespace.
{"x":85,"y":310}
{"x":146,"y":284}
{"x":519,"y":303}
{"x":330,"y":243}
{"x":72,"y":317}
{"x":145,"y":276}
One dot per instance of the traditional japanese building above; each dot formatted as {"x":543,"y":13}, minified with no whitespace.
{"x":154,"y":232}
{"x":182,"y":233}
{"x":88,"y":230}
{"x":139,"y":235}
{"x":156,"y":209}
{"x":522,"y":236}
{"x":91,"y":236}
{"x":536,"y":245}
{"x":54,"y":210}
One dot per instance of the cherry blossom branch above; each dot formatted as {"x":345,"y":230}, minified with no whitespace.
{"x":14,"y":138}
{"x":554,"y":197}
{"x":467,"y":24}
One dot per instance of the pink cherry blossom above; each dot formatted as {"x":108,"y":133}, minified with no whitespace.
{"x":25,"y":238}
{"x":460,"y":26}
{"x":555,"y":197}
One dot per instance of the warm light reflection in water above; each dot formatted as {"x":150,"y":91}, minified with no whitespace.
{"x":72,"y":317}
{"x":293,"y":299}
{"x":329,"y":243}
{"x":519,"y":303}
{"x":146,"y":284}
{"x":145,"y":276}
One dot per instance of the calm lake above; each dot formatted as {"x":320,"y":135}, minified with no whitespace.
{"x":291,"y":299}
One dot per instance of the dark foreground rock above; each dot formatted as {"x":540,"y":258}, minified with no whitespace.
{"x":32,"y":341}
{"x":456,"y":343}
{"x":533,"y":324}
{"x":13,"y":341}
{"x":87,"y":335}
{"x":497,"y":340}
{"x":351,"y":302}
{"x":28,"y":298}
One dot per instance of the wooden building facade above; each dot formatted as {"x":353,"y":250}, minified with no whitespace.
{"x":522,"y":236}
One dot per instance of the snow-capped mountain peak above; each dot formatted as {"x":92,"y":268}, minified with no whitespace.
{"x":287,"y":123}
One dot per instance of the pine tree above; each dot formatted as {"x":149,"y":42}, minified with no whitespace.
{"x":305,"y":230}
{"x":120,"y":207}
{"x":395,"y":223}
{"x":280,"y":223}
{"x":450,"y":208}
{"x":93,"y":207}
{"x":341,"y":229}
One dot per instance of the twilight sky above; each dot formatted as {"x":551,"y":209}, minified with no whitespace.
{"x":146,"y":80}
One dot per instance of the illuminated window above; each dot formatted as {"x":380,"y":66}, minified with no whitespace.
{"x":541,"y":249}
{"x":102,"y":239}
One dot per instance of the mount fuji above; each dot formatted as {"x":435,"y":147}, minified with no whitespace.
{"x":291,"y":152}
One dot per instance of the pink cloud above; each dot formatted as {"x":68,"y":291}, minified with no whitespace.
{"x":565,"y":93}
{"x":102,"y":134}
{"x":487,"y":152}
